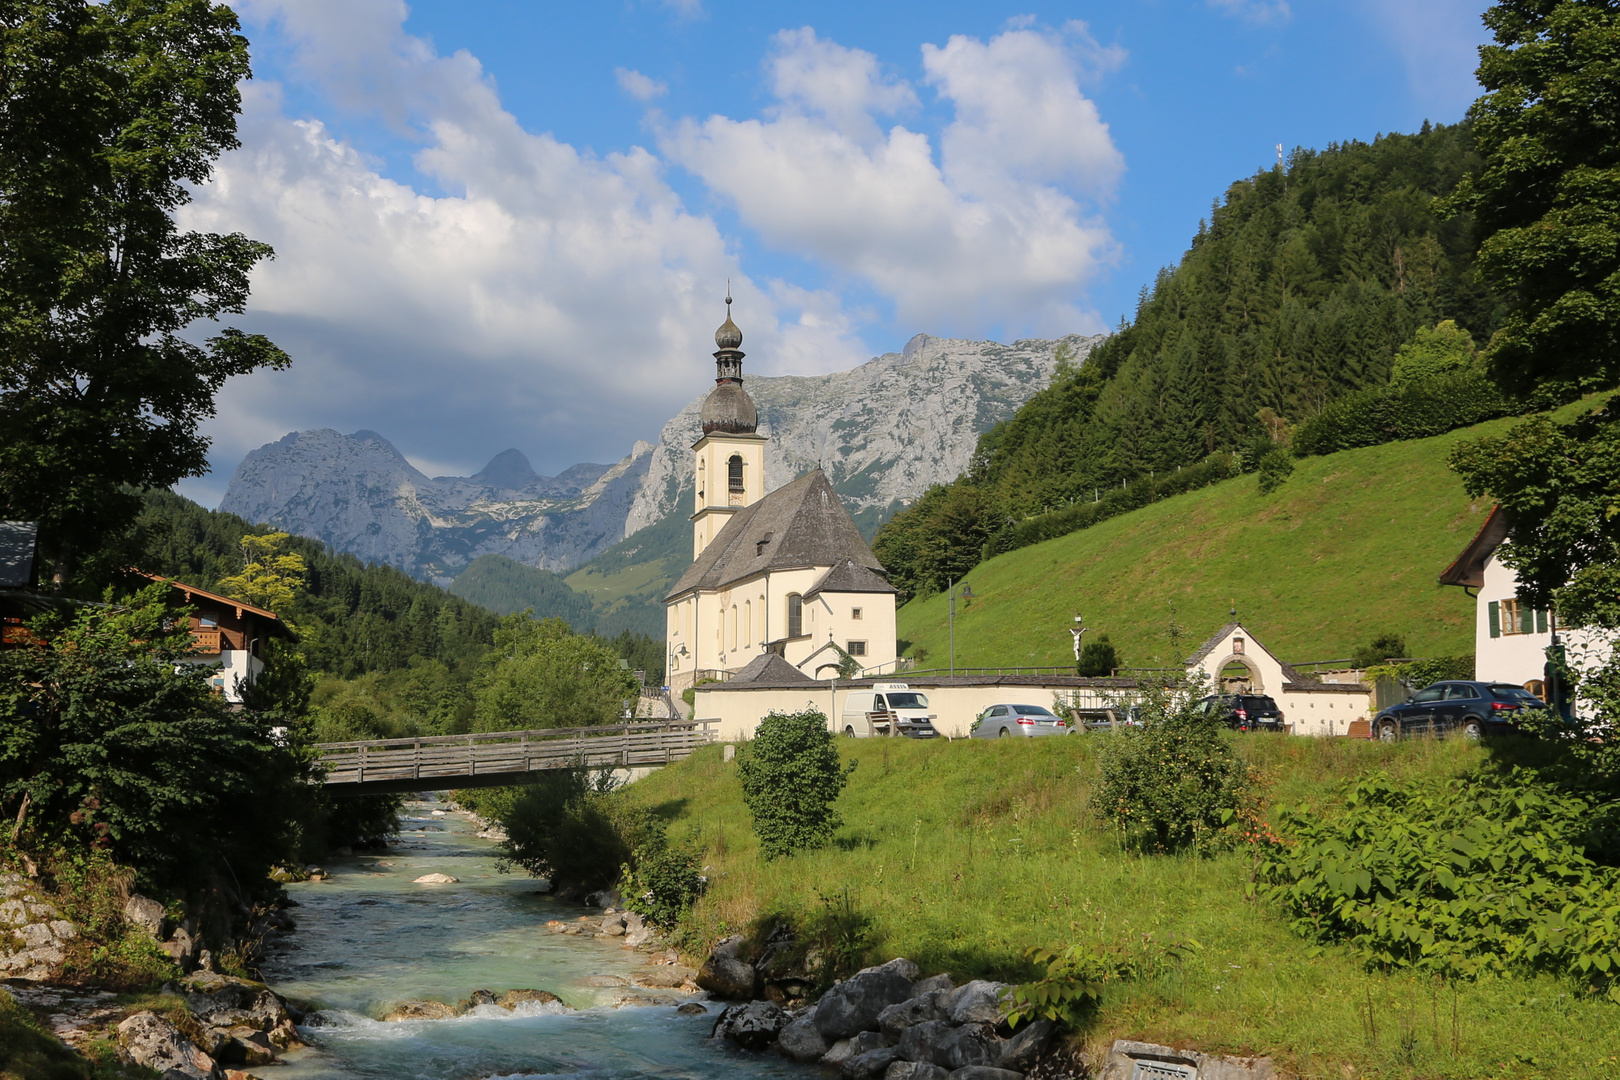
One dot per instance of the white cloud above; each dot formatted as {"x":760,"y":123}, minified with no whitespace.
{"x":639,"y":86}
{"x":1260,"y":12}
{"x":554,"y":301}
{"x":1002,"y":227}
{"x":1438,"y":41}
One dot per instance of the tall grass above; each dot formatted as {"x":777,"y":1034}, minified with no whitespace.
{"x":965,"y":854}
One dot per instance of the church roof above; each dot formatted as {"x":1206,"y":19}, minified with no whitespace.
{"x":770,"y":669}
{"x":801,"y":524}
{"x":850,"y":576}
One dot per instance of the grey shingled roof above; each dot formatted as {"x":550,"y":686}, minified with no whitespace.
{"x":770,"y":669}
{"x":1290,"y":676}
{"x":850,"y":576}
{"x":18,"y":540}
{"x":801,"y":524}
{"x":1209,"y":646}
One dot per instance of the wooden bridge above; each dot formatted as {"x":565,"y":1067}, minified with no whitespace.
{"x":494,"y":759}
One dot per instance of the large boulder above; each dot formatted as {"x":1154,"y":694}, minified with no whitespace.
{"x":918,"y":1041}
{"x":872,"y":1064}
{"x":420,"y":1010}
{"x":977,"y":1002}
{"x":854,"y":1004}
{"x":224,"y":1001}
{"x":800,"y":1039}
{"x":915,"y":1070}
{"x":154,"y":1043}
{"x":970,"y":1044}
{"x":145,"y":915}
{"x":1026,"y":1045}
{"x":933,"y":983}
{"x":753,"y":1026}
{"x":894,"y":1020}
{"x":725,"y":974}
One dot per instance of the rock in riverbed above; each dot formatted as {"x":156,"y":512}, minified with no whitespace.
{"x":436,"y":879}
{"x":154,"y":1043}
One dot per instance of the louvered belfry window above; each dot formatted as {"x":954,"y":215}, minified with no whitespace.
{"x":735,"y":472}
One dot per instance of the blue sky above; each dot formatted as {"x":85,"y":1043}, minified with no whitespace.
{"x":511,"y":223}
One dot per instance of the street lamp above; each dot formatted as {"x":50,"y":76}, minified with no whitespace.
{"x":967,"y":594}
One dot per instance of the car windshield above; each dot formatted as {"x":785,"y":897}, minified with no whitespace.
{"x":1033,"y":710}
{"x":907,"y":701}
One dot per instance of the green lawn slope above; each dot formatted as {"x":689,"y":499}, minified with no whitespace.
{"x":1351,"y":545}
{"x":965,"y":854}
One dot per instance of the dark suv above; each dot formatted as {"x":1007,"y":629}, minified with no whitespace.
{"x":1245,"y":712}
{"x":1471,"y":709}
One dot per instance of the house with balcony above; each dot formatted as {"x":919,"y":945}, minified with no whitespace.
{"x":226,"y":634}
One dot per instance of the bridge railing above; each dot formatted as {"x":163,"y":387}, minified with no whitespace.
{"x":445,"y":757}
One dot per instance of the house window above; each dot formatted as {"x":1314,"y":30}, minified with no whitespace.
{"x":795,"y":615}
{"x":857,"y":648}
{"x":207,"y":620}
{"x":1510,"y":617}
{"x":854,"y":613}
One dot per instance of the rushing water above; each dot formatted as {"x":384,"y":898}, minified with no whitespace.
{"x":369,"y":937}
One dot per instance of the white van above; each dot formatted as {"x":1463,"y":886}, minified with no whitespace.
{"x":888,"y":709}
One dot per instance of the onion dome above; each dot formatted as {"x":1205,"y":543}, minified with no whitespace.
{"x":728,"y":408}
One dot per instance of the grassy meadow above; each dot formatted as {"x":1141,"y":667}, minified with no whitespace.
{"x":965,"y":854}
{"x":1351,"y":545}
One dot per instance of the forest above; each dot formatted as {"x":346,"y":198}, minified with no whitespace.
{"x":1297,"y":293}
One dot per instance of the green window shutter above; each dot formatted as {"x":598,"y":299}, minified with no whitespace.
{"x":1496,"y":619}
{"x":1541,"y":622}
{"x":1527,"y":620}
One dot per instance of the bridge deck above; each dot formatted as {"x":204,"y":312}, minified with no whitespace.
{"x":488,"y":759}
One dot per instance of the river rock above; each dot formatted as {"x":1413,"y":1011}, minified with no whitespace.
{"x":725,"y":975}
{"x":145,"y":915}
{"x":667,"y":978}
{"x":513,"y":998}
{"x":854,"y":1004}
{"x":932,"y":984}
{"x":915,"y":1070}
{"x":753,"y":1026}
{"x":970,"y":1044}
{"x":247,"y":1046}
{"x":894,"y":1020}
{"x":479,"y":997}
{"x":692,"y":1008}
{"x":800,"y":1039}
{"x":599,"y":982}
{"x":918,"y":1041}
{"x":872,"y":1064}
{"x":977,"y":1002}
{"x":226,"y":1001}
{"x":154,"y":1043}
{"x":436,"y":879}
{"x":420,"y":1010}
{"x":637,"y":932}
{"x":984,"y":1072}
{"x":1026,"y":1045}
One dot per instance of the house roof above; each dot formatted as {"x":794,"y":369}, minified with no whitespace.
{"x":277,"y":627}
{"x":801,"y":524}
{"x":18,"y":542}
{"x":850,"y":576}
{"x":1469,"y":568}
{"x":771,"y":670}
{"x":1291,"y":678}
{"x":1209,"y":646}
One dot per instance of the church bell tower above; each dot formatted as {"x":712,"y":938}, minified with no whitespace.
{"x":729,"y":458}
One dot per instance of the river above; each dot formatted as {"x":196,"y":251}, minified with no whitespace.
{"x":369,"y":937}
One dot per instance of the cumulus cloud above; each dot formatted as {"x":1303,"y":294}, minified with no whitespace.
{"x":553,"y":300}
{"x":639,"y":86}
{"x":1260,"y":12}
{"x":1002,"y":225}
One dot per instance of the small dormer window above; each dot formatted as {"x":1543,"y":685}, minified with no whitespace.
{"x":759,"y":545}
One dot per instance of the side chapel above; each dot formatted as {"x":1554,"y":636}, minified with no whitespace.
{"x":785,"y":574}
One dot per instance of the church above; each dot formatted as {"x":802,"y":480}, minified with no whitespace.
{"x":784,"y":575}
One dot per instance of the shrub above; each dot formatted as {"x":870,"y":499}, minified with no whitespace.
{"x":1174,"y":782}
{"x":1098,"y":658}
{"x":568,"y":826}
{"x":662,"y":881}
{"x":1458,"y":879}
{"x":1276,"y":466}
{"x":1071,"y":989}
{"x":1411,"y":410}
{"x":1385,"y":646}
{"x":791,"y":776}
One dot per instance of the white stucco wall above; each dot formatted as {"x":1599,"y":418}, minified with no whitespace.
{"x":235,"y":665}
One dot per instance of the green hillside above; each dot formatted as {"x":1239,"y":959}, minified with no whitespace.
{"x":627,"y":582}
{"x":1348,"y":547}
{"x":505,"y":585}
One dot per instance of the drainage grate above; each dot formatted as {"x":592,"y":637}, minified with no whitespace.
{"x":1163,"y":1070}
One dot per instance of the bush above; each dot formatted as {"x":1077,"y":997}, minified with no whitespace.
{"x":1412,"y":410}
{"x":662,"y":881}
{"x":1072,"y":987}
{"x":1098,"y":658}
{"x":568,"y":826}
{"x":1457,"y":879}
{"x":791,"y":776}
{"x":1276,"y":466}
{"x":1386,"y":646}
{"x":1174,"y":782}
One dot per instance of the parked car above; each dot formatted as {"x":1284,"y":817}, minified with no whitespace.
{"x":888,"y":709}
{"x":1244,"y":712}
{"x":1022,"y":721}
{"x":1470,"y":709}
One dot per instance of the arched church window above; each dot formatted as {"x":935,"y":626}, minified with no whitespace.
{"x":733,"y":626}
{"x":734,"y":470}
{"x":795,"y":615}
{"x":748,"y":622}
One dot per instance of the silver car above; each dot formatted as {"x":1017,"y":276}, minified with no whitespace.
{"x":1015,"y":721}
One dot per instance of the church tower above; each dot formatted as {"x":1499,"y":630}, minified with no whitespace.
{"x":729,"y":459}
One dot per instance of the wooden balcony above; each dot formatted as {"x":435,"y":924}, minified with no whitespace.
{"x":207,"y":642}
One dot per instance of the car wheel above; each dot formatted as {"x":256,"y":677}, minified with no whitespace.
{"x":1005,"y":734}
{"x":1388,"y":731}
{"x":1471,"y":729}
{"x":849,"y":731}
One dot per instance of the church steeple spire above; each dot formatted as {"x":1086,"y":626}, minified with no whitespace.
{"x":728,"y":407}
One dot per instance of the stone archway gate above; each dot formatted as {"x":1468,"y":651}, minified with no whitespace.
{"x":495,"y":759}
